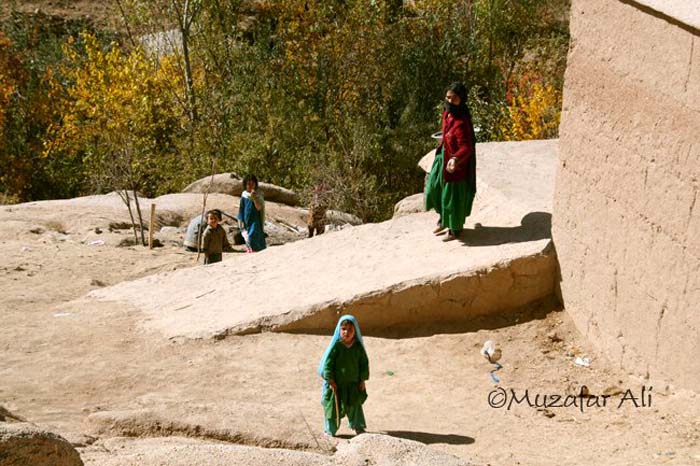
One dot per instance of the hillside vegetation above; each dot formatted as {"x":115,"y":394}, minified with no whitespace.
{"x":342,"y":94}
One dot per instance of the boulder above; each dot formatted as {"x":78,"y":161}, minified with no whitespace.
{"x":224,"y":183}
{"x":336,"y":217}
{"x":366,"y":449}
{"x":229,"y":183}
{"x":385,"y":450}
{"x":409,"y":205}
{"x":274,"y":193}
{"x":6,"y":416}
{"x":23,"y":444}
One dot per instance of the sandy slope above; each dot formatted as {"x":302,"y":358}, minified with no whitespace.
{"x":433,"y":389}
{"x":130,"y":398}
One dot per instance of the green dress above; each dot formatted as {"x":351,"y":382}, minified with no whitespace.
{"x":347,"y":367}
{"x":452,"y":201}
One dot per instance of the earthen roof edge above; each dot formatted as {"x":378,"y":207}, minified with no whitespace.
{"x":682,"y":13}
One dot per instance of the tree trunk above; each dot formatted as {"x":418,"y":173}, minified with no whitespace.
{"x":125,"y":197}
{"x":185,"y":26}
{"x":138,"y":211}
{"x":126,"y":23}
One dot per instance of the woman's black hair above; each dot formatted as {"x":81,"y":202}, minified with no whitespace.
{"x":248,"y":178}
{"x":459,"y":89}
{"x":461,"y":109}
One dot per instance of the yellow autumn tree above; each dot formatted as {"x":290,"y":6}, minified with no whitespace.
{"x":533,"y":115}
{"x":120,"y":114}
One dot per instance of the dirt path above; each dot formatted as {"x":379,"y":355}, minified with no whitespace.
{"x":61,"y":366}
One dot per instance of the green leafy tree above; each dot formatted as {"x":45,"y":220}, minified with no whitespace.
{"x":339,"y":92}
{"x":117,"y":114}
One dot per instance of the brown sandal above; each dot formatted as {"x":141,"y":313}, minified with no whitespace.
{"x":450,"y":237}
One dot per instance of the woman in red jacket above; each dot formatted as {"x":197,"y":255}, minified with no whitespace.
{"x":451,"y":185}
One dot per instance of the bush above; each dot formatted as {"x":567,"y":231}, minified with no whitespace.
{"x":339,"y":93}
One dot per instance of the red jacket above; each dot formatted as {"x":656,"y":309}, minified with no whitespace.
{"x":457,"y":142}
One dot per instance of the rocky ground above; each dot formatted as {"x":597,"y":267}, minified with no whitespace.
{"x":124,"y":396}
{"x":104,"y":15}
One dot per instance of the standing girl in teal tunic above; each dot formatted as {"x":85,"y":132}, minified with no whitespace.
{"x":344,"y":368}
{"x":251,"y":215}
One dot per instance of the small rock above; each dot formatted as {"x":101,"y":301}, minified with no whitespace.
{"x":554,"y":337}
{"x":95,"y":282}
{"x":98,"y":230}
{"x":60,"y":237}
{"x":613,"y":390}
{"x":583,"y":362}
{"x":168,"y":230}
{"x":546,"y":412}
{"x":575,"y":388}
{"x":7,"y":416}
{"x":126,"y":242}
{"x":82,"y":441}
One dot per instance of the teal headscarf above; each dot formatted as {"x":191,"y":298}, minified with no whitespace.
{"x":336,"y":339}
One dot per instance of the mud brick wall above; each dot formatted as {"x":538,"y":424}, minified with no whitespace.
{"x":626,"y":220}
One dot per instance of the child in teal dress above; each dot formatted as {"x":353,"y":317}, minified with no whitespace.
{"x":251,"y":215}
{"x":344,"y":368}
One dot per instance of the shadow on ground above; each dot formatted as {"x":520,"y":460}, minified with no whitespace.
{"x":534,"y":226}
{"x":430,"y":438}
